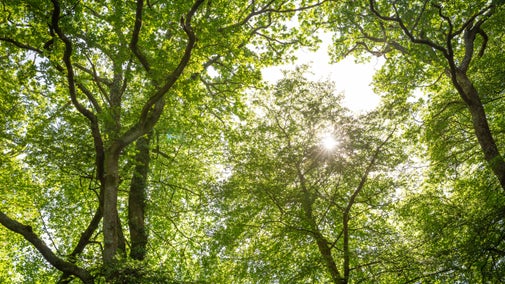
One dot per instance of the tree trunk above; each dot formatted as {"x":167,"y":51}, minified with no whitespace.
{"x":137,"y":199}
{"x":322,"y":244}
{"x":325,"y":251}
{"x":345,"y":245}
{"x":110,"y":213}
{"x":481,"y":127}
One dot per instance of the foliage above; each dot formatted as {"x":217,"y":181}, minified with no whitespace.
{"x":443,"y":66}
{"x":139,"y":144}
{"x":83,"y":81}
{"x":293,"y":207}
{"x":425,"y":44}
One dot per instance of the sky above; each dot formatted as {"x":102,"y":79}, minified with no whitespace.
{"x":351,"y":78}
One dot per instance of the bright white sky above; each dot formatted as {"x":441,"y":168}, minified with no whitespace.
{"x":349,"y":77}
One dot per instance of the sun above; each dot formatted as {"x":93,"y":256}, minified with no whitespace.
{"x":328,"y":142}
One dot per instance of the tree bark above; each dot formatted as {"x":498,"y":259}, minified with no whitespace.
{"x":110,"y":213}
{"x":487,"y":143}
{"x":137,"y":199}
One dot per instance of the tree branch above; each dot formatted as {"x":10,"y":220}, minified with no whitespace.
{"x":407,"y":32}
{"x":54,"y":260}
{"x":21,"y":45}
{"x":352,"y":200}
{"x":135,"y":36}
{"x":266,"y":9}
{"x":93,"y":73}
{"x":84,"y":240}
{"x":470,"y":34}
{"x":90,"y":97}
{"x":154,"y":106}
{"x":68,"y":63}
{"x":448,"y":38}
{"x":95,"y":128}
{"x":472,"y":19}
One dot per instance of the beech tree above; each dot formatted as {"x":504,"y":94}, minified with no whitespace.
{"x":139,"y":144}
{"x":90,"y":79}
{"x":449,"y":51}
{"x":444,"y":68}
{"x":310,"y":189}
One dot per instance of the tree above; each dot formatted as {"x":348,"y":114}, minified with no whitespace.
{"x":443,"y":65}
{"x":448,"y":50}
{"x":95,"y":78}
{"x":302,"y":210}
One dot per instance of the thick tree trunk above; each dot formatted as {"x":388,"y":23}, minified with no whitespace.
{"x":137,"y":199}
{"x":481,"y":127}
{"x":110,"y":213}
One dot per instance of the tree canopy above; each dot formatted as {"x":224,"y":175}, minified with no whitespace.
{"x":141,"y":145}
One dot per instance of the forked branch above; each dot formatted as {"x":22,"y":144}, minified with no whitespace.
{"x":152,"y":109}
{"x":406,"y":30}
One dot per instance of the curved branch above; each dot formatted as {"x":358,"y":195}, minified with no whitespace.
{"x":135,"y":36}
{"x":98,"y":80}
{"x":471,"y":31}
{"x":21,"y":45}
{"x":84,"y":240}
{"x":485,"y":39}
{"x":469,"y":22}
{"x":53,"y":259}
{"x":266,"y":9}
{"x":449,"y":53}
{"x":90,"y":97}
{"x":95,"y":128}
{"x":154,"y":106}
{"x":68,"y":63}
{"x":407,"y":31}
